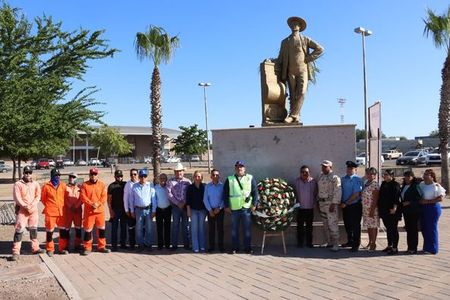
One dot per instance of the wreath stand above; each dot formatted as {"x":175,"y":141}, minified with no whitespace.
{"x":266,"y":234}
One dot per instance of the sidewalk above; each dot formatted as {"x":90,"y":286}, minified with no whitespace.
{"x":302,"y":273}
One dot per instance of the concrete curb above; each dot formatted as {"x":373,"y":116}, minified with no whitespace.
{"x":67,"y":286}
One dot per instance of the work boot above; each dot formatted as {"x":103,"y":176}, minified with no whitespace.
{"x":85,"y":252}
{"x":104,"y":250}
{"x":50,"y":253}
{"x":64,"y":252}
{"x":39,"y":251}
{"x":15,"y":257}
{"x":335,"y":248}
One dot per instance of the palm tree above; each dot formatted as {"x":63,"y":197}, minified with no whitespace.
{"x":158,"y":46}
{"x":439,"y":29}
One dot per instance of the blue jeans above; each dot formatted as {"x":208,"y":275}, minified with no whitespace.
{"x":119,"y":217}
{"x":143,"y":218}
{"x":198,"y":229}
{"x":179,"y":216}
{"x":429,"y":218}
{"x":244,"y":216}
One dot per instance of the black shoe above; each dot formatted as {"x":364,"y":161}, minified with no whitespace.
{"x":187,"y":247}
{"x":104,"y":250}
{"x":160,"y":248}
{"x":393,"y":251}
{"x":354,"y":249}
{"x":140,"y":248}
{"x":411,"y":252}
{"x":222,"y":250}
{"x":173,"y":248}
{"x":234,"y":251}
{"x":210,"y":250}
{"x":346,"y":245}
{"x":310,"y":246}
{"x":114,"y":249}
{"x":387,"y":249}
{"x":123,"y":247}
{"x":248,"y":251}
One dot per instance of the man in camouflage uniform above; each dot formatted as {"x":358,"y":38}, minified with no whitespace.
{"x":329,"y":197}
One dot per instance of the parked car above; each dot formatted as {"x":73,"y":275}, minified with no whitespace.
{"x":434,"y":157}
{"x":195,"y":158}
{"x":416,"y":157}
{"x":392,"y":154}
{"x":43,"y":163}
{"x":4,"y":168}
{"x":33,"y":164}
{"x":51,"y":163}
{"x":67,"y":162}
{"x":94,"y":162}
{"x":59,"y":164}
{"x":148,"y":160}
{"x":106,"y":163}
{"x":173,"y":159}
{"x":81,"y":162}
{"x":361,"y":159}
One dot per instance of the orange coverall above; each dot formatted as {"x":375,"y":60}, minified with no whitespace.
{"x":53,"y":200}
{"x":73,"y":212}
{"x":94,"y":196}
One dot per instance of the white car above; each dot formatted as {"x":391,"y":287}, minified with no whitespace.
{"x":195,"y":158}
{"x":361,"y":159}
{"x":51,"y":163}
{"x":434,"y":157}
{"x":173,"y":159}
{"x":81,"y":162}
{"x":67,"y":162}
{"x":94,"y":162}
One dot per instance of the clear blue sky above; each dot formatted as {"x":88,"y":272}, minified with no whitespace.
{"x":223,"y":42}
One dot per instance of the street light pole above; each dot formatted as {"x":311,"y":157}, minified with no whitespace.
{"x":205,"y":85}
{"x":364,"y":33}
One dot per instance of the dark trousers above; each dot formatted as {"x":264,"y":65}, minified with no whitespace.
{"x":132,"y":232}
{"x":412,"y":230}
{"x":163,"y":220}
{"x":120,"y":217}
{"x":305,"y":219}
{"x":391,"y":224}
{"x":216,"y":224}
{"x":352,"y":215}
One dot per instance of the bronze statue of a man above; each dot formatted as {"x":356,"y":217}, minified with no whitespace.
{"x":293,"y":62}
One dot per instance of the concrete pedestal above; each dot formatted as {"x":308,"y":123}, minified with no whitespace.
{"x":280,"y":151}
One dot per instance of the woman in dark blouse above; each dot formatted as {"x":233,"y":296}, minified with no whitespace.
{"x":388,"y":209}
{"x":410,"y":196}
{"x":196,"y":210}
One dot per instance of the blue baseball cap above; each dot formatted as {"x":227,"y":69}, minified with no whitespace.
{"x":143,"y":173}
{"x":239,"y":163}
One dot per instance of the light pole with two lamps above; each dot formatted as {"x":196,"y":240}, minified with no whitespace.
{"x":364,"y":33}
{"x":205,"y":85}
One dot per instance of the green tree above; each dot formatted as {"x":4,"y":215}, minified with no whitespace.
{"x":38,"y":64}
{"x":110,"y":141}
{"x":157,"y":45}
{"x":434,"y":133}
{"x":191,"y":141}
{"x":438,"y":27}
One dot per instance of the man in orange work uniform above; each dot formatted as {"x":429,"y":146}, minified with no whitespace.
{"x":93,"y":194}
{"x":26,"y":195}
{"x":52,"y":197}
{"x":72,"y":210}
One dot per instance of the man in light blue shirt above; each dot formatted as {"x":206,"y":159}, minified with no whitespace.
{"x":213,"y":200}
{"x":143,"y":203}
{"x":351,"y":206}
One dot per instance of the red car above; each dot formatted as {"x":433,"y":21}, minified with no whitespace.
{"x":43,"y":164}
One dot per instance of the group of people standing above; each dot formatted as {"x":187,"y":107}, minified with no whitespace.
{"x":418,"y":201}
{"x":132,"y":207}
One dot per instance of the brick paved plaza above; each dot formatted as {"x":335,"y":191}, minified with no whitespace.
{"x":302,"y":273}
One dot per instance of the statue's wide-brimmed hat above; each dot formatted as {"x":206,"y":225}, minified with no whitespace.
{"x":300,"y":21}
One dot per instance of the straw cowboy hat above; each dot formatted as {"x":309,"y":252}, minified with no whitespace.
{"x":179,"y":167}
{"x":300,"y":21}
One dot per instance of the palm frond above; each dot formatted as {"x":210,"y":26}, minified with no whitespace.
{"x":438,"y":27}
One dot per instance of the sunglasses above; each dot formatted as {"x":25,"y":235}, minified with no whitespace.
{"x":215,"y":175}
{"x":28,"y":173}
{"x":133,"y":174}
